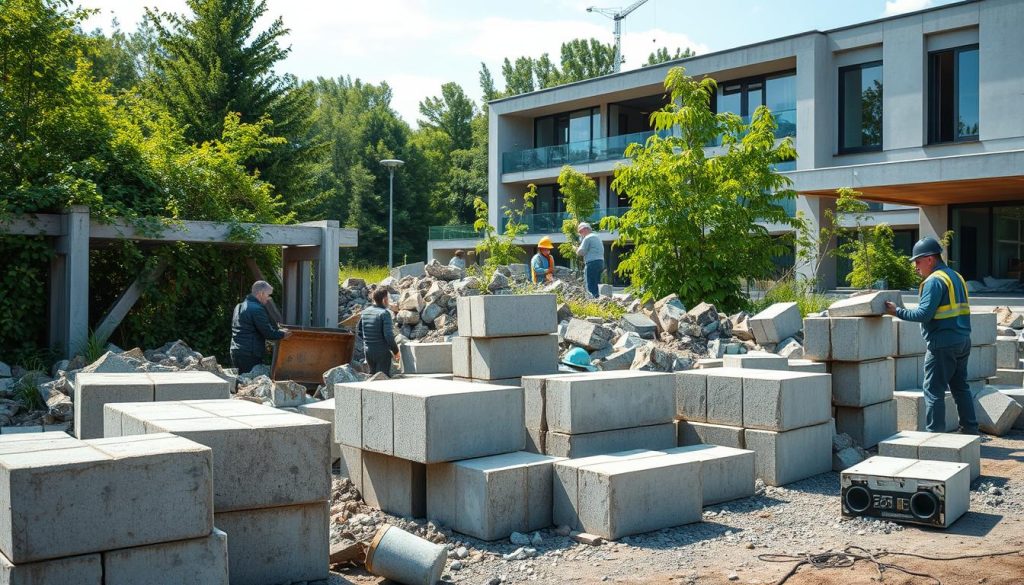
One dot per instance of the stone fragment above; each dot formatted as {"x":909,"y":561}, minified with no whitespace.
{"x":868,"y":425}
{"x":353,"y":283}
{"x":498,"y":282}
{"x":779,"y":321}
{"x":785,"y":457}
{"x":846,"y":458}
{"x":564,"y":313}
{"x":651,"y":358}
{"x":589,"y":336}
{"x":639,"y":324}
{"x":864,"y":305}
{"x":283,"y":544}
{"x":444,"y":271}
{"x":407,"y":317}
{"x":863,"y":383}
{"x":287,"y":393}
{"x":1006,"y":317}
{"x":619,"y":360}
{"x":110,"y":363}
{"x":996,"y":411}
{"x":341,"y":375}
{"x":670,"y":311}
{"x":704,"y":314}
{"x":790,"y":349}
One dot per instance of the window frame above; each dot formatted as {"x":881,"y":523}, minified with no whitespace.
{"x":744,"y":84}
{"x":933,"y":96}
{"x":840,"y":148}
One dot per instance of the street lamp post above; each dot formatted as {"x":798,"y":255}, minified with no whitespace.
{"x":391,"y":164}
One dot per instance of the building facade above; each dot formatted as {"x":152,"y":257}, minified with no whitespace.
{"x":923,"y":113}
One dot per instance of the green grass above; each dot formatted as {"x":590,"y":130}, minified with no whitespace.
{"x":789,"y":291}
{"x":607,"y":311}
{"x":27,"y":394}
{"x":370,"y":274}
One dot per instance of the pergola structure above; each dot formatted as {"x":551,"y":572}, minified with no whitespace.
{"x":310,"y":259}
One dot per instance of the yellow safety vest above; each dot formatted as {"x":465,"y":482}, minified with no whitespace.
{"x":956,"y":302}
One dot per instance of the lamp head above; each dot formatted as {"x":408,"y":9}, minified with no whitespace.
{"x":392,"y":163}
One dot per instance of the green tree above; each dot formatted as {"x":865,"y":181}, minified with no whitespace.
{"x":694,"y":220}
{"x":580,"y":59}
{"x":502,"y":249}
{"x":661,"y":55}
{"x":586,"y":59}
{"x":579,"y":192}
{"x":452,"y":114}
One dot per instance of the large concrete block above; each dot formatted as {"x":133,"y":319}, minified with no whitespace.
{"x":697,"y":433}
{"x":462,"y":364}
{"x":909,"y":372}
{"x":270,"y":546}
{"x":788,"y":456}
{"x":616,"y":499}
{"x":439,"y":420}
{"x":818,"y":338}
{"x":426,"y":358}
{"x":867,"y":425}
{"x":865,"y":305}
{"x":1017,"y":394}
{"x":1008,"y":377}
{"x":1007,"y":354}
{"x":911,"y":412}
{"x":661,"y":436}
{"x":725,"y":396}
{"x":777,"y":322}
{"x":755,"y":360}
{"x":415,"y":269}
{"x":535,"y":396}
{"x":512,"y":357}
{"x":863,"y":383}
{"x":491,"y":497}
{"x":289,"y":453}
{"x":612,"y":400}
{"x":351,"y":464}
{"x":692,"y":395}
{"x":62,"y":497}
{"x":397,"y":486}
{"x":198,"y":561}
{"x":780,"y":401}
{"x":726,"y":473}
{"x":507,"y":315}
{"x":982,"y":363}
{"x":188,"y":386}
{"x":808,"y":367}
{"x":996,"y":411}
{"x":858,"y":339}
{"x":983,"y":328}
{"x":93,"y":391}
{"x":909,"y":340}
{"x":566,"y":475}
{"x":324,"y":410}
{"x":80,"y":570}
{"x":935,"y":447}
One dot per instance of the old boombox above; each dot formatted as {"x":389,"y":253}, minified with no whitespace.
{"x":931,"y":493}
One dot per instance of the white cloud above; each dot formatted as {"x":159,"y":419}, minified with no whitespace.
{"x":893,"y":7}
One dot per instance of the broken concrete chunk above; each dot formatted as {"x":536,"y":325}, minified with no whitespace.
{"x":589,"y":336}
{"x":110,"y":363}
{"x":1006,"y":317}
{"x":790,"y":348}
{"x":652,"y":358}
{"x":864,"y":305}
{"x":639,"y":324}
{"x":288,"y":393}
{"x":776,"y":323}
{"x":996,"y":411}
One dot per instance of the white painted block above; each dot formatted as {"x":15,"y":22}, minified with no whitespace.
{"x":198,"y":561}
{"x":697,"y":433}
{"x":783,"y":400}
{"x":270,"y":546}
{"x":612,"y":400}
{"x":911,"y":412}
{"x":863,"y":383}
{"x":869,"y":424}
{"x":789,"y":456}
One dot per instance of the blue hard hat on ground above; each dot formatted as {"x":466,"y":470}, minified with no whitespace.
{"x":926,"y":246}
{"x":578,"y":357}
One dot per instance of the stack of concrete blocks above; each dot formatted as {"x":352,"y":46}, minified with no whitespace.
{"x":950,"y":447}
{"x":909,"y":380}
{"x":1008,"y":363}
{"x":783,"y":416}
{"x":93,"y":391}
{"x":577,"y":415}
{"x":611,"y":495}
{"x":982,"y":364}
{"x":389,"y":431}
{"x":426,"y":358}
{"x":272,"y":481}
{"x":505,"y":337}
{"x":324,"y":410}
{"x":116,"y":511}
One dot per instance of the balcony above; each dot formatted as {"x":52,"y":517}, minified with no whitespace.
{"x":572,"y":153}
{"x":536,"y":223}
{"x":785,"y":121}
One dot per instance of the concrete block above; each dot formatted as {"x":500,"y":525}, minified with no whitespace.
{"x":780,"y":401}
{"x":324,"y":410}
{"x":705,"y":363}
{"x":1017,"y":394}
{"x":863,"y":383}
{"x":351,"y":464}
{"x":858,"y":339}
{"x":1008,"y":377}
{"x":507,"y":315}
{"x":289,"y":452}
{"x":589,"y":336}
{"x":566,"y":475}
{"x":93,"y":391}
{"x":397,"y":486}
{"x":755,"y":360}
{"x":909,"y":340}
{"x":270,"y":546}
{"x":983,"y":328}
{"x":500,"y":382}
{"x":416,"y":269}
{"x":512,"y":357}
{"x":864,"y":305}
{"x":52,"y":485}
{"x":612,"y":400}
{"x":662,"y":436}
{"x":692,"y":395}
{"x":535,"y":397}
{"x":378,"y":413}
{"x":615,"y":498}
{"x":808,"y":367}
{"x":935,"y":447}
{"x":491,"y":497}
{"x":199,"y":561}
{"x":697,"y":433}
{"x":867,"y":425}
{"x":80,"y":570}
{"x":426,"y":358}
{"x":535,"y":441}
{"x":640,"y":324}
{"x":725,"y":396}
{"x":882,"y":472}
{"x":777,"y":322}
{"x":818,"y":338}
{"x":789,"y":456}
{"x":189,"y":386}
{"x":911,"y":412}
{"x":1007,"y":354}
{"x":462,"y":365}
{"x":909,"y":372}
{"x":726,"y":473}
{"x":348,"y":415}
{"x":996,"y":411}
{"x":982,"y":363}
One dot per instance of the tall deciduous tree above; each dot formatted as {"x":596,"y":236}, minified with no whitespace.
{"x":580,"y":194}
{"x":662,"y":55}
{"x":451,"y":113}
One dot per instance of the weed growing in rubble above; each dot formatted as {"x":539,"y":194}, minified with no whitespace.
{"x":26,"y":392}
{"x":790,"y":290}
{"x":369,"y":274}
{"x":589,"y":308}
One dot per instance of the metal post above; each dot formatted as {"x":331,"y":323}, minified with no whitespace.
{"x":391,"y":214}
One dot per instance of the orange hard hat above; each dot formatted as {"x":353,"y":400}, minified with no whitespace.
{"x":545,"y":242}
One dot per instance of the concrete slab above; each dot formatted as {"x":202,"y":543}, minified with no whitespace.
{"x":867,"y":425}
{"x":818,"y":338}
{"x":1007,"y":354}
{"x":1008,"y":377}
{"x":911,"y":412}
{"x":93,"y":391}
{"x":565,"y":492}
{"x":909,"y":340}
{"x":692,"y":395}
{"x":864,"y":305}
{"x":858,"y":339}
{"x":80,"y":570}
{"x":726,"y":474}
{"x":507,"y":315}
{"x":662,"y":436}
{"x":56,"y":480}
{"x":270,"y":546}
{"x":491,"y":497}
{"x":511,"y":357}
{"x":777,"y":322}
{"x":909,"y":372}
{"x":199,"y":561}
{"x":397,"y":486}
{"x":611,"y":400}
{"x":348,"y":415}
{"x":955,"y":448}
{"x":863,"y":383}
{"x":781,"y":401}
{"x":324,"y":410}
{"x":725,"y":396}
{"x":983,"y":328}
{"x":426,"y":358}
{"x":785,"y":457}
{"x":755,"y":360}
{"x":188,"y":386}
{"x":697,"y":433}
{"x":808,"y":367}
{"x":982,"y":363}
{"x":996,"y":411}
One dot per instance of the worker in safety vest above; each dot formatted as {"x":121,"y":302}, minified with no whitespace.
{"x":542,"y":266}
{"x":945,"y":318}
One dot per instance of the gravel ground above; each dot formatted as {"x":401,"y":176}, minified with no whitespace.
{"x":797,"y":519}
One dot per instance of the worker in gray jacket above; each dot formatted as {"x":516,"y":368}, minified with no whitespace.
{"x":378,"y":333}
{"x":251,"y":328}
{"x":591,"y":251}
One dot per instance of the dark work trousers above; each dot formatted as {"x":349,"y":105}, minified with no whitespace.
{"x":379,"y":362}
{"x":245,"y":362}
{"x":946,"y":367}
{"x":592,"y":274}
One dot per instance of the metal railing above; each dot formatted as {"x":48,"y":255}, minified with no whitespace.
{"x":536,"y":223}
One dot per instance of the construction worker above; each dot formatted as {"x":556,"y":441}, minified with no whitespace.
{"x":542,"y":266}
{"x":945,"y":317}
{"x":591,"y":252}
{"x":252,"y":327}
{"x":458,"y":260}
{"x":378,"y":334}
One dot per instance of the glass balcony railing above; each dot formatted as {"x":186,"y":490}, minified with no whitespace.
{"x":536,"y":223}
{"x":586,"y":151}
{"x":452,"y":232}
{"x":785,"y":119}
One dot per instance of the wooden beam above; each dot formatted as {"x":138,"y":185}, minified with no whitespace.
{"x":43,"y":224}
{"x":126,"y":301}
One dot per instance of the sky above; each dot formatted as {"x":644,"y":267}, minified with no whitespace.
{"x":417,"y":45}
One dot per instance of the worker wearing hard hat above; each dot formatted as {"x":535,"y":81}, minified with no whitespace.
{"x":945,"y":317}
{"x":591,"y":252}
{"x":542,"y":266}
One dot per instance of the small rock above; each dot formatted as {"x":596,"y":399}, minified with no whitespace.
{"x":461,"y":552}
{"x":536,"y":540}
{"x":456,"y":565}
{"x":519,"y":539}
{"x":733,"y":577}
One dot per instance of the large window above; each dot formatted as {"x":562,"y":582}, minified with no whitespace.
{"x":579,"y":126}
{"x":860,"y":107}
{"x":953,"y":95}
{"x":778,"y":92}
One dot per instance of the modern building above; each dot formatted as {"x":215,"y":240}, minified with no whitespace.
{"x":923,"y":113}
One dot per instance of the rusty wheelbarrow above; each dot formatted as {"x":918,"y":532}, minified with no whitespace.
{"x":309,"y":352}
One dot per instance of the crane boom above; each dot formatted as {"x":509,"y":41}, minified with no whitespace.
{"x":617,"y":15}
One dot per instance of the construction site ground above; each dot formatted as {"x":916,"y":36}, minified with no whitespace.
{"x":798,"y":519}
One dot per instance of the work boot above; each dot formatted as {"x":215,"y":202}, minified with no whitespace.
{"x":966,"y":431}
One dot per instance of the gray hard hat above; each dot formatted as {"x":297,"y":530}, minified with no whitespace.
{"x":926,"y":246}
